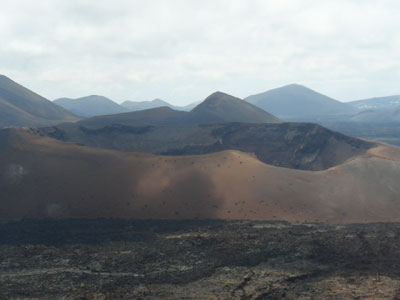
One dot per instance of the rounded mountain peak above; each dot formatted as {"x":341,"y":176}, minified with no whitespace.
{"x":218,"y":98}
{"x":221,"y":107}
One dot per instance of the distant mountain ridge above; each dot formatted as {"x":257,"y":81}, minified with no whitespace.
{"x":96,"y":105}
{"x":155,"y":116}
{"x":384,"y":115}
{"x":292,"y":102}
{"x":20,"y":106}
{"x":216,"y":108}
{"x":190,"y":106}
{"x":377,"y":102}
{"x":142,"y":105}
{"x":91,"y":106}
{"x":295,"y":102}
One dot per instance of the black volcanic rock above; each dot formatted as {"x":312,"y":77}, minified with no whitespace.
{"x":129,"y":259}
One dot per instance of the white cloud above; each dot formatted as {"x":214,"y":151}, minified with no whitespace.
{"x":182,"y":51}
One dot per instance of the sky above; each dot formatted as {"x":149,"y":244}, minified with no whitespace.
{"x":182,"y":51}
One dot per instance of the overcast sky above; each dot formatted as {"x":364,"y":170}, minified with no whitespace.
{"x":182,"y":51}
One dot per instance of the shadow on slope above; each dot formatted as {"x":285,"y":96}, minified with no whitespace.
{"x":42,"y":177}
{"x":45,"y":178}
{"x":303,"y":146}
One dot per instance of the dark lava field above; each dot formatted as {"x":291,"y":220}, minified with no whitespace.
{"x":125,"y":259}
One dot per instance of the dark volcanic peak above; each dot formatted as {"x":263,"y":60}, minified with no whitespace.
{"x":221,"y":107}
{"x":90,"y":106}
{"x":297,"y":102}
{"x":217,"y":98}
{"x":20,"y":106}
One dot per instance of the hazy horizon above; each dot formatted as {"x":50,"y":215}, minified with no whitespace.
{"x":192,"y":102}
{"x":182,"y":51}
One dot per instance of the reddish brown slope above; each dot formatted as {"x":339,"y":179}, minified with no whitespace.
{"x":41,"y":177}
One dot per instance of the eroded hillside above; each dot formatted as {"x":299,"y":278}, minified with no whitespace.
{"x":43,"y":177}
{"x":302,"y":146}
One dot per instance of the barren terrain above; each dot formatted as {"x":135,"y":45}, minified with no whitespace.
{"x":42,"y":177}
{"x":124,"y":259}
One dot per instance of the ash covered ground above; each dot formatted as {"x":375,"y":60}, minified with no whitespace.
{"x":125,"y":259}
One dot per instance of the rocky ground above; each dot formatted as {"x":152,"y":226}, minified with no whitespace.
{"x":123,"y":259}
